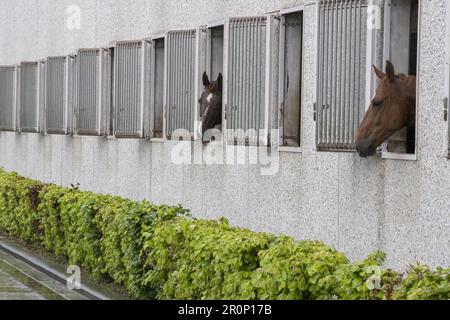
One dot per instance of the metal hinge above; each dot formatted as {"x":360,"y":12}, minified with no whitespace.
{"x":315,"y":111}
{"x":445,"y":109}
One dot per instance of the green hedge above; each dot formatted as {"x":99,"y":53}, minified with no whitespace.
{"x":161,"y":252}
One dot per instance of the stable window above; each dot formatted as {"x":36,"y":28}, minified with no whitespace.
{"x":342,"y":66}
{"x":290,"y":92}
{"x":56,"y":95}
{"x":182,"y":83}
{"x":158,"y":63}
{"x":248,"y":80}
{"x":88,"y":97}
{"x":129,"y":61}
{"x":400,"y":47}
{"x":214,"y":60}
{"x":41,"y":78}
{"x":8,"y":82}
{"x":108,"y":90}
{"x":29,"y":95}
{"x":447,"y":81}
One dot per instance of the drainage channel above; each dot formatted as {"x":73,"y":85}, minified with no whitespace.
{"x":17,"y":285}
{"x":24,"y":277}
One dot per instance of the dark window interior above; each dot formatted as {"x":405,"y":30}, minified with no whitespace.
{"x":291,"y":107}
{"x":216,"y":59}
{"x":111,"y":105}
{"x":158,"y":87}
{"x":403,"y":53}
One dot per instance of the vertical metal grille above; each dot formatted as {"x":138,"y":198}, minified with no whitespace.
{"x":246,"y":94}
{"x":87,"y":94}
{"x":181,"y":80}
{"x":341,"y":72}
{"x":128,"y":84}
{"x":29,"y":116}
{"x":56,"y":108}
{"x":7,"y":92}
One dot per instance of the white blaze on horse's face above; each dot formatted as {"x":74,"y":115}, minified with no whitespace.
{"x":210,"y":97}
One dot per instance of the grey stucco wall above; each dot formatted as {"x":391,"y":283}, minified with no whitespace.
{"x":357,"y":205}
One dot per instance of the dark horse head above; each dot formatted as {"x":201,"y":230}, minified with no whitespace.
{"x":211,"y":103}
{"x":392,"y":108}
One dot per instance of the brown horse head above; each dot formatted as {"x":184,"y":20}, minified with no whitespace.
{"x":211,"y":103}
{"x":392,"y":108}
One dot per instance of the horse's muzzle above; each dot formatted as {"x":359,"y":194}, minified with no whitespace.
{"x":366,"y":148}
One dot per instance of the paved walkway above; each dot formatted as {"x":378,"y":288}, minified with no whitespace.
{"x":20,"y":281}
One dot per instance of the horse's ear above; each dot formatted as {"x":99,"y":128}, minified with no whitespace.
{"x":205,"y":79}
{"x":378,"y":72}
{"x":219,"y":81}
{"x":390,"y":71}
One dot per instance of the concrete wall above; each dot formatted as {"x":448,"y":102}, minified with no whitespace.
{"x":357,"y":205}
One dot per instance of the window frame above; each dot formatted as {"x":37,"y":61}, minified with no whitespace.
{"x":385,"y":154}
{"x":270,"y":43}
{"x":153,"y":39}
{"x":42,"y":82}
{"x":281,"y":79}
{"x":446,"y":105}
{"x":108,"y":90}
{"x":208,"y":68}
{"x":208,"y":58}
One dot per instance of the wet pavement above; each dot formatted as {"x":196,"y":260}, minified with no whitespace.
{"x":15,"y":285}
{"x":20,"y":281}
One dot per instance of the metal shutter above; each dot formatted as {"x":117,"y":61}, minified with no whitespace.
{"x":7,"y":98}
{"x":128,"y":93}
{"x":56,"y":95}
{"x":29,"y":104}
{"x":182,"y":76}
{"x":88,"y":84}
{"x":248,"y":79}
{"x":341,"y":72}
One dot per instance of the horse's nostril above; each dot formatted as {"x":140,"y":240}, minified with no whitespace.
{"x":364,"y":147}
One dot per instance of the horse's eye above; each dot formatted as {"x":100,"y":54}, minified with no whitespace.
{"x":377,"y":104}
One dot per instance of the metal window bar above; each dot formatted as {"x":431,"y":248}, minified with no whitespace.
{"x":88,"y":92}
{"x":56,"y":95}
{"x":7,"y":97}
{"x":128,"y":89}
{"x":29,"y":95}
{"x":248,"y":80}
{"x":182,"y":76}
{"x":341,"y":84}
